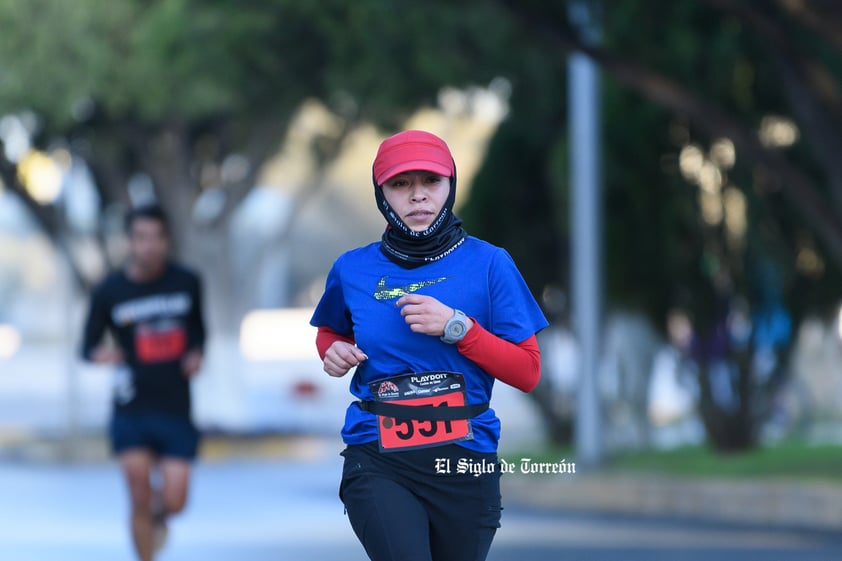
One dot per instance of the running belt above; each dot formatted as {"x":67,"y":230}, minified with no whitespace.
{"x":423,"y":412}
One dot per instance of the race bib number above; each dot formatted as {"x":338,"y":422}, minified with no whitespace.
{"x":160,"y":342}
{"x":439,"y":389}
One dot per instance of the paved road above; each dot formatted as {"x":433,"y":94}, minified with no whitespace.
{"x":263,"y":510}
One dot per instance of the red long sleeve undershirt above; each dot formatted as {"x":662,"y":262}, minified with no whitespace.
{"x":326,"y":337}
{"x":518,"y":365}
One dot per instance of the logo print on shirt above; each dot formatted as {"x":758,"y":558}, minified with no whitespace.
{"x":386,"y":293}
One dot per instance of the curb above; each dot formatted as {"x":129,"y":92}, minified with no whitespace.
{"x":781,"y":503}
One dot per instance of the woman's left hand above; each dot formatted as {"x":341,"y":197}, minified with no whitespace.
{"x":425,"y":314}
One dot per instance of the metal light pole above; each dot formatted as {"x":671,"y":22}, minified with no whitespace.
{"x":585,"y":180}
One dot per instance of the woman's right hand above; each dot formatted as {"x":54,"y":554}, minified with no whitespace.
{"x":342,"y":356}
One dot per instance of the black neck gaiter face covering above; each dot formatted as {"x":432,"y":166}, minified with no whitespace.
{"x":412,"y":249}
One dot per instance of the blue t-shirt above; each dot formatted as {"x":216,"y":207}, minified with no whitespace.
{"x":478,"y":278}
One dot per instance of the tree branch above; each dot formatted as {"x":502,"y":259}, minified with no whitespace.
{"x":45,"y":217}
{"x":265,"y":140}
{"x":823,"y":24}
{"x":804,"y":83}
{"x":708,"y":118}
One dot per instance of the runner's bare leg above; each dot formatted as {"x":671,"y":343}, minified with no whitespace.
{"x":175,"y":474}
{"x":137,"y":466}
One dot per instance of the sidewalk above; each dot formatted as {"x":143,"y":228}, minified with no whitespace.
{"x":94,"y":448}
{"x":769,"y":502}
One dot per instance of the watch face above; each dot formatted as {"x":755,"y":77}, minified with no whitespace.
{"x":457,"y":329}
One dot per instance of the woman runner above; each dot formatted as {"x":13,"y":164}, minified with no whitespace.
{"x":430,"y":317}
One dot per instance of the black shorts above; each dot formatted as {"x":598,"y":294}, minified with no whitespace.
{"x":168,"y":436}
{"x":416,"y":506}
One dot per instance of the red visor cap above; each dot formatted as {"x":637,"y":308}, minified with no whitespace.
{"x":412,"y":150}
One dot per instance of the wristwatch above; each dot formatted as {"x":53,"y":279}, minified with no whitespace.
{"x":455,"y":328}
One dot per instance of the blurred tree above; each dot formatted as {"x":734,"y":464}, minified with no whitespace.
{"x":195,"y":96}
{"x":744,"y":252}
{"x":191,"y":98}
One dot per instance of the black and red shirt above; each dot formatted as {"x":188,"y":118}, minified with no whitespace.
{"x":155,"y":324}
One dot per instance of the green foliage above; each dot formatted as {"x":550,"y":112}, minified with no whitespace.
{"x":515,"y":201}
{"x":188,"y":59}
{"x":123,"y":74}
{"x":643,"y":207}
{"x":795,"y":460}
{"x":151,"y":61}
{"x":791,"y":460}
{"x":660,"y":253}
{"x":53,"y":54}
